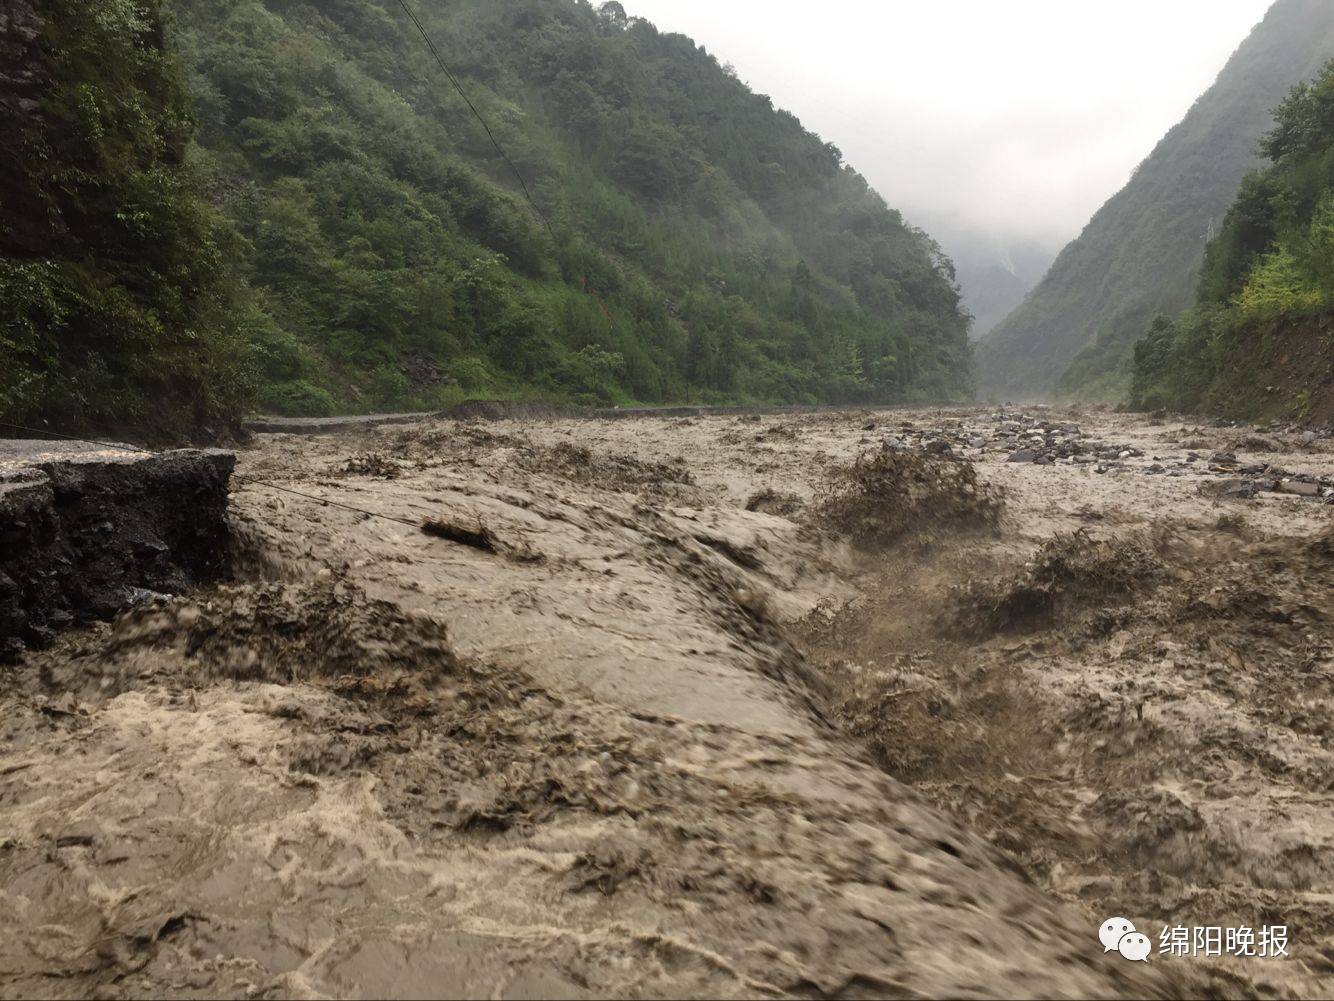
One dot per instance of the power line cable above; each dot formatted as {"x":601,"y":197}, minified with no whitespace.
{"x":518,"y":175}
{"x":125,"y":446}
{"x":477,"y":114}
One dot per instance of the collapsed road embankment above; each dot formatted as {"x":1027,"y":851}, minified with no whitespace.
{"x":85,"y":530}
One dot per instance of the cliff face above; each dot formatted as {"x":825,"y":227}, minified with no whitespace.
{"x":1279,"y":370}
{"x":1140,"y":253}
{"x":22,"y":65}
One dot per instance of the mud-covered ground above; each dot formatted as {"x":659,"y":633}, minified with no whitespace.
{"x":700,"y":707}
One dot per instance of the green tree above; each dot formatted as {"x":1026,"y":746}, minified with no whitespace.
{"x":1270,"y":267}
{"x":121,"y":305}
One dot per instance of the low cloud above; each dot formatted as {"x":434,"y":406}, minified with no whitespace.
{"x":1018,"y":118}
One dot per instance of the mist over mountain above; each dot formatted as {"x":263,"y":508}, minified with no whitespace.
{"x":994,"y":270}
{"x":320,"y":221}
{"x":1140,"y":254}
{"x":702,"y":244}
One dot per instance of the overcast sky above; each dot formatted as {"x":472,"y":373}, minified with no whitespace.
{"x":1018,"y":117}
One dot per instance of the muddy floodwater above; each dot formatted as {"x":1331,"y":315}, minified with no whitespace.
{"x":860,"y":704}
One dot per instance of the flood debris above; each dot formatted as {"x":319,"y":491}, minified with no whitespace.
{"x":884,"y":495}
{"x":372,"y":464}
{"x":1029,"y":440}
{"x":608,"y":470}
{"x":771,"y":501}
{"x":704,"y":747}
{"x":478,"y":537}
{"x":342,"y":756}
{"x":1138,"y":714}
{"x":323,"y":631}
{"x":1068,"y":571}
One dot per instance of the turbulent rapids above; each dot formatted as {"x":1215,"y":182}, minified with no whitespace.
{"x":844,"y":704}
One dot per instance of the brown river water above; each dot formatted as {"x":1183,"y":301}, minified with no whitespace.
{"x":639,"y":716}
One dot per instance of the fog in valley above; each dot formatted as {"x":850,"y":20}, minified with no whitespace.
{"x":997,"y":127}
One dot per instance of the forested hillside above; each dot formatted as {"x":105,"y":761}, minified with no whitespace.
{"x":119,"y":306}
{"x":315,"y":220}
{"x":1267,"y":285}
{"x":1140,"y":254}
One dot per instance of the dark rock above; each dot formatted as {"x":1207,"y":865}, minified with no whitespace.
{"x":80,"y":531}
{"x":1023,"y":455}
{"x":39,"y":637}
{"x":78,"y":836}
{"x":1238,"y":489}
{"x":13,"y":620}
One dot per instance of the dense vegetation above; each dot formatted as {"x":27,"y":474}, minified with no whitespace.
{"x":701,"y":243}
{"x":1140,"y":254}
{"x":118,"y":306}
{"x":1270,"y":268}
{"x":327,"y":226}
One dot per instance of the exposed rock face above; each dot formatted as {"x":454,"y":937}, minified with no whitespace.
{"x":83,"y":531}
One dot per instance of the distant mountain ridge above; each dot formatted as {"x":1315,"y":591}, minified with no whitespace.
{"x":995,"y":273}
{"x":1140,"y":254}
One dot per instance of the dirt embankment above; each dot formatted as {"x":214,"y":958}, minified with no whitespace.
{"x":1279,"y":371}
{"x":85,"y":530}
{"x":696,"y":707}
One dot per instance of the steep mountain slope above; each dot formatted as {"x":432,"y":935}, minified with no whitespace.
{"x":1140,"y":253}
{"x":995,"y":274}
{"x":1260,"y":341}
{"x":701,"y":243}
{"x":118,"y":303}
{"x":990,"y":292}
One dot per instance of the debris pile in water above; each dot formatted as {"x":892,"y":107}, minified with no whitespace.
{"x":885,"y":495}
{"x":1066,"y":571}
